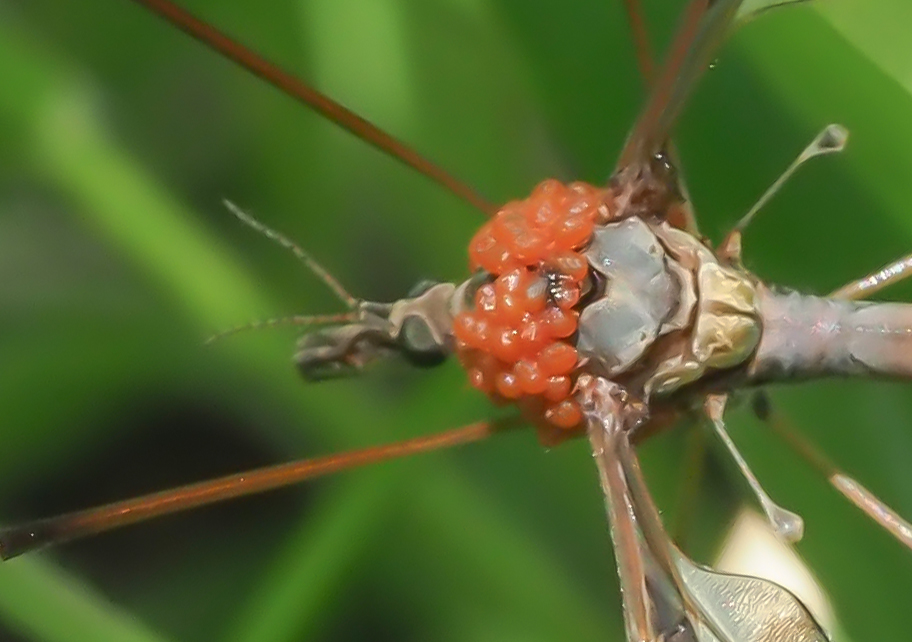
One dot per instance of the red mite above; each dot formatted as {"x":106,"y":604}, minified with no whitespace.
{"x":516,"y":344}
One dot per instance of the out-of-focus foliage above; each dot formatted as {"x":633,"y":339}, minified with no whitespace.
{"x":120,"y":139}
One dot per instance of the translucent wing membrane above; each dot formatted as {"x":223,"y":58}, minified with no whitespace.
{"x":750,"y":9}
{"x":666,"y":595}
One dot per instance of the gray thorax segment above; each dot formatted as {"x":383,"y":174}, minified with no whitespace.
{"x":418,"y":327}
{"x":666,"y":311}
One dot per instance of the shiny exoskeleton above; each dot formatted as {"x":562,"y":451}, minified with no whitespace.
{"x":574,"y":279}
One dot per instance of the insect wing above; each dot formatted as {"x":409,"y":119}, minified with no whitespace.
{"x":750,"y":9}
{"x":674,"y":598}
{"x":747,"y":609}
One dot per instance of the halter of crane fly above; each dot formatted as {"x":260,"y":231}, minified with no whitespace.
{"x":787,"y":525}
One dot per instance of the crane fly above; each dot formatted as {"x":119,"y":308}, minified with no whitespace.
{"x":679,"y":610}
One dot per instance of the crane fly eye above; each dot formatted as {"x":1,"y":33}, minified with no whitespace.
{"x":417,"y":343}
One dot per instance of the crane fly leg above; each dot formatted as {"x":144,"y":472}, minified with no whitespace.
{"x":40,"y":533}
{"x":320,"y":103}
{"x":848,"y":487}
{"x":607,"y":422}
{"x":667,"y":597}
{"x":876,"y":281}
{"x":681,"y":215}
{"x":640,"y":34}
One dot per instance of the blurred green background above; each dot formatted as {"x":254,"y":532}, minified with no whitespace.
{"x":120,"y":139}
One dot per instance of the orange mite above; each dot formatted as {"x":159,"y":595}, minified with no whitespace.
{"x":517,"y":343}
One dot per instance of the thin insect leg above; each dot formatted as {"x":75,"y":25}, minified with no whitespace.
{"x":637,"y":20}
{"x":646,"y":63}
{"x":832,"y":139}
{"x":650,"y":522}
{"x":787,"y":524}
{"x":56,"y":530}
{"x":624,"y":530}
{"x":299,"y":320}
{"x":705,"y":24}
{"x":876,"y":281}
{"x":648,"y":135}
{"x":322,"y":273}
{"x":763,"y":610}
{"x":848,"y":487}
{"x":320,"y":103}
{"x":691,"y":476}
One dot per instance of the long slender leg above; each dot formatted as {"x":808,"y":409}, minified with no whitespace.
{"x":56,"y":530}
{"x":887,"y":275}
{"x":763,"y":610}
{"x":848,"y":487}
{"x":637,"y":20}
{"x":604,"y":418}
{"x":682,"y":216}
{"x":310,"y":97}
{"x":667,"y":597}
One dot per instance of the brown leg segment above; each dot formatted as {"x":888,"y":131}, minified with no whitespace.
{"x":56,"y":530}
{"x":848,"y":487}
{"x":876,"y":281}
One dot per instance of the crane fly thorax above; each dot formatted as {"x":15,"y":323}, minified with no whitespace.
{"x":568,"y":281}
{"x":573,"y":279}
{"x":712,"y":324}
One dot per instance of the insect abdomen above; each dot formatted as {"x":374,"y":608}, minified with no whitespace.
{"x":809,"y":336}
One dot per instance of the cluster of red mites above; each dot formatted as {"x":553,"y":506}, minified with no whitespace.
{"x":514,"y":343}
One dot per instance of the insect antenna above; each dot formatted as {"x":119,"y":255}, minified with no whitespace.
{"x":41,"y":533}
{"x":299,"y":320}
{"x":311,"y":263}
{"x":322,"y":273}
{"x":847,"y":486}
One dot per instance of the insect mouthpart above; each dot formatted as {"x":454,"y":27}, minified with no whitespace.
{"x":417,"y":327}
